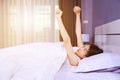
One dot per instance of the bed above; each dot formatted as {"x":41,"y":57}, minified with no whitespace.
{"x":48,"y":61}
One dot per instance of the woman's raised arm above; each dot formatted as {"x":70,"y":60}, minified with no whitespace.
{"x":73,"y":58}
{"x":78,"y":31}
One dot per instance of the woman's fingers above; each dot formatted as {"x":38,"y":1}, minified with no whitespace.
{"x":76,"y":9}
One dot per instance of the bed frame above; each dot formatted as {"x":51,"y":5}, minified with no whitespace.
{"x":107,"y":36}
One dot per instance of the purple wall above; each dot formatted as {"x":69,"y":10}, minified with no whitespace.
{"x":86,"y":6}
{"x":105,"y":11}
{"x":98,"y":12}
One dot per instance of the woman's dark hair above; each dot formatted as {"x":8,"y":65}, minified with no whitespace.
{"x":93,"y":50}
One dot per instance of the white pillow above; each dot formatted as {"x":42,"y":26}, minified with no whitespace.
{"x":98,"y":62}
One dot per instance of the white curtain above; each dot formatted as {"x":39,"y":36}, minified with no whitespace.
{"x":26,"y":21}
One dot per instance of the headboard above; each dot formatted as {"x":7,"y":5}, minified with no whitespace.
{"x":107,"y":36}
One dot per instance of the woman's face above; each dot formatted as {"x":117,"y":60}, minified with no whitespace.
{"x":82,"y":52}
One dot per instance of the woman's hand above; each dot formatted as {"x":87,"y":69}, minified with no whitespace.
{"x":77,"y":9}
{"x":58,"y":13}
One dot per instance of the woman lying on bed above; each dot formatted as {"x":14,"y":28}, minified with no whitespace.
{"x":85,"y":50}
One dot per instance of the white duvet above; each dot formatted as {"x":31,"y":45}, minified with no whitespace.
{"x":36,"y":61}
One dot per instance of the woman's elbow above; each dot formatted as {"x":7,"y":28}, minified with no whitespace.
{"x":74,"y":64}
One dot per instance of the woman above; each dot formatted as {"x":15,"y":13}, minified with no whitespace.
{"x":85,"y":50}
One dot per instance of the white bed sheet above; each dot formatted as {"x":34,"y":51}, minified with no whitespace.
{"x":65,"y":73}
